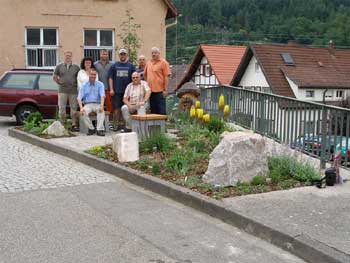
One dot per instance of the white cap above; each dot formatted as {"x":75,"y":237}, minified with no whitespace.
{"x":123,"y":50}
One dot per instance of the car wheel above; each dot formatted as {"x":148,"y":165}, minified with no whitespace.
{"x":23,"y":112}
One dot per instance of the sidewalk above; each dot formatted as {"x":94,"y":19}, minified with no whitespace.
{"x":309,"y":222}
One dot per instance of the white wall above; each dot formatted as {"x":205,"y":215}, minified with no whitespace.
{"x":200,"y":79}
{"x":253,"y":77}
{"x":318,"y":93}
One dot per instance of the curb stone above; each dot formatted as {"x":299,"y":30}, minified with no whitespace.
{"x":302,"y":246}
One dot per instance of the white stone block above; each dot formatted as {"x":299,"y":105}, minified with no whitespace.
{"x":126,"y":146}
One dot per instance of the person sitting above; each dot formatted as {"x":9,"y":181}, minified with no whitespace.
{"x":135,"y":99}
{"x":92,"y":94}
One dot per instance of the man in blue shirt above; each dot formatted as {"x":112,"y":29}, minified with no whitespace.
{"x":119,"y":77}
{"x":92,"y":94}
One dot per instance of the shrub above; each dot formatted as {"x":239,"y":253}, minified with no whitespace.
{"x":155,"y":168}
{"x":282,"y":168}
{"x":258,"y":180}
{"x":178,"y":162}
{"x":216,"y":125}
{"x":157,"y":142}
{"x":34,"y":117}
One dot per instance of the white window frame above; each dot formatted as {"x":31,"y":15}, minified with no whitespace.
{"x":41,"y":46}
{"x":342,"y":94}
{"x":98,"y":46}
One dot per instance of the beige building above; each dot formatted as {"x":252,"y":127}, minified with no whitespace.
{"x":35,"y":33}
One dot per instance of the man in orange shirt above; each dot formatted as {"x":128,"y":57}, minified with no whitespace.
{"x":157,"y":74}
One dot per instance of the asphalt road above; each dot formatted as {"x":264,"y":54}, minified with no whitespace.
{"x":53,"y":209}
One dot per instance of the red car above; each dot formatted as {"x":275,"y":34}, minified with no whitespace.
{"x":26,"y":91}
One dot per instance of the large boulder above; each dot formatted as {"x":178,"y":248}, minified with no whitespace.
{"x":242,"y":155}
{"x":55,"y":129}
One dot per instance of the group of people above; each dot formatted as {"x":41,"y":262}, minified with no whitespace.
{"x":120,"y":88}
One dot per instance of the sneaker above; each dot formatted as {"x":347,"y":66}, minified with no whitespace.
{"x":126,"y":130}
{"x":90,"y":132}
{"x":100,"y":133}
{"x":111,"y":126}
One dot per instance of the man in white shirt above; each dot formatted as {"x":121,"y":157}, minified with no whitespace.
{"x":135,"y":98}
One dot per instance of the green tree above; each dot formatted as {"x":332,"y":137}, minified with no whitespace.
{"x":129,"y":36}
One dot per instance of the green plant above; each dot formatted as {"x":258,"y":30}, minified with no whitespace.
{"x":178,"y":162}
{"x":157,"y":142}
{"x":95,"y":150}
{"x":143,"y":164}
{"x":282,"y":168}
{"x":258,"y":180}
{"x":192,"y":181}
{"x":221,"y":193}
{"x":286,"y":184}
{"x":156,"y":168}
{"x":216,"y":125}
{"x":34,"y":117}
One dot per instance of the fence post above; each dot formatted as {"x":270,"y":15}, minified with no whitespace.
{"x":324,"y":138}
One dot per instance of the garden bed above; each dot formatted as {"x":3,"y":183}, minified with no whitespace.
{"x":184,"y":160}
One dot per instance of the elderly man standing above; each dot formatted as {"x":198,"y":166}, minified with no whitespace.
{"x":119,"y":77}
{"x":65,"y":75}
{"x":136,"y":96}
{"x":141,"y":66}
{"x":92,"y":94}
{"x":157,"y":74}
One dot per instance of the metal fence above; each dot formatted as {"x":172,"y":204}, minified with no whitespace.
{"x":316,"y":129}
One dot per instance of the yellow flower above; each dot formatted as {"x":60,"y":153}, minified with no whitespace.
{"x":206,"y":118}
{"x":221,"y":102}
{"x":199,"y":114}
{"x":226,"y":111}
{"x":193,"y":112}
{"x":198,"y":104}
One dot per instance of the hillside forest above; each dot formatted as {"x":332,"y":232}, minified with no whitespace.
{"x":238,"y":22}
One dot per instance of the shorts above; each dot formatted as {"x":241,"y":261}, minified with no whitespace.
{"x":117,"y":101}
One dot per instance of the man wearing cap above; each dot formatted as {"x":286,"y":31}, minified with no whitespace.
{"x":157,"y":74}
{"x":119,"y":77}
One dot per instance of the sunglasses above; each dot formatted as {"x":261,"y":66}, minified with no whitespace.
{"x":135,"y":77}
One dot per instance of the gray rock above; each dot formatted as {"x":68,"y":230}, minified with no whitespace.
{"x":55,"y":129}
{"x":242,"y":155}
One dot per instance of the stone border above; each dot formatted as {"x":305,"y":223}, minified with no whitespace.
{"x":300,"y":245}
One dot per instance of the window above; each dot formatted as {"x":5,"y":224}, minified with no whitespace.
{"x":47,"y":83}
{"x":203,"y":70}
{"x":329,"y":94}
{"x":257,"y":67}
{"x":97,"y":39}
{"x":340,"y":94}
{"x":19,"y":81}
{"x":287,"y":59}
{"x":208,"y":70}
{"x":309,"y":94}
{"x":41,"y":47}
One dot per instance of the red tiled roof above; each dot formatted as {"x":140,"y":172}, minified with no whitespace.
{"x":313,"y":67}
{"x":223,"y":60}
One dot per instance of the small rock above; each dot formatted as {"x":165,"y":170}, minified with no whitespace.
{"x":55,"y":129}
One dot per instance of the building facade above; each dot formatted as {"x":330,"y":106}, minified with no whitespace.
{"x":35,"y":33}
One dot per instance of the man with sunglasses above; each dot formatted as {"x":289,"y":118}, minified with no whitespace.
{"x":119,"y":76}
{"x":135,"y":98}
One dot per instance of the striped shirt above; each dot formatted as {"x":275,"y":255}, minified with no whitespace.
{"x":136,"y":93}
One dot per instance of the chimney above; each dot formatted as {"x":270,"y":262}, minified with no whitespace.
{"x":331,"y":47}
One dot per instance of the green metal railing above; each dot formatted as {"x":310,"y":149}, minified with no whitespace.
{"x":316,"y":129}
